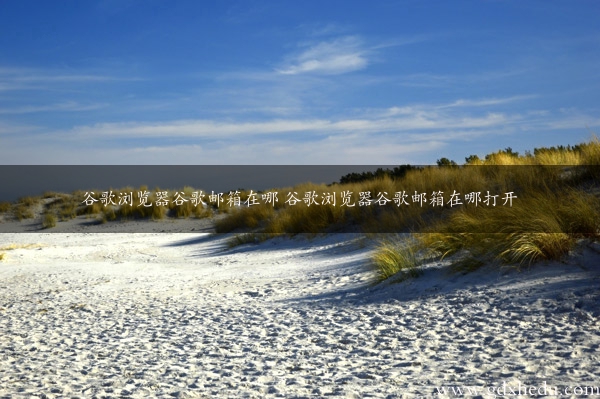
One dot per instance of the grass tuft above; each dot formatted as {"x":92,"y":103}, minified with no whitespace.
{"x":23,"y":212}
{"x":28,"y":201}
{"x":4,"y":207}
{"x":244,"y":218}
{"x":396,"y":258}
{"x":49,"y":220}
{"x":94,"y":209}
{"x":531,"y":247}
{"x":545,"y":226}
{"x":109,"y":214}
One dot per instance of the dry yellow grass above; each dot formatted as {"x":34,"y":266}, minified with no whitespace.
{"x":49,"y":220}
{"x":23,"y":212}
{"x":499,"y":173}
{"x":249,"y":217}
{"x":396,"y":257}
{"x":4,"y":206}
{"x":11,"y":247}
{"x":544,"y":226}
{"x":28,"y":201}
{"x":131,"y":203}
{"x":559,"y":158}
{"x":553,"y":212}
{"x":553,"y":209}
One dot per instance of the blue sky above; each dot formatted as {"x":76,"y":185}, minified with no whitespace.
{"x":293,"y":82}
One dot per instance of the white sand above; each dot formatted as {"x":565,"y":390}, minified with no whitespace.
{"x":179,"y":315}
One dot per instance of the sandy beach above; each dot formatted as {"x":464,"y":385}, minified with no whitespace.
{"x":182,"y":315}
{"x":299,"y":199}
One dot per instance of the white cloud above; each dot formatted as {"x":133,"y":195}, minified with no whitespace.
{"x":16,"y":78}
{"x":569,"y":122}
{"x":11,"y":130}
{"x":63,"y":78}
{"x":210,"y":129}
{"x":334,"y":57}
{"x":487,"y":102}
{"x":409,"y":134}
{"x":196,"y":129}
{"x":405,"y":40}
{"x":433,"y":110}
{"x":69,"y":106}
{"x":335,"y":150}
{"x":441,"y":80}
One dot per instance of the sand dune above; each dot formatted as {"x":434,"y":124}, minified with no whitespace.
{"x":180,"y":315}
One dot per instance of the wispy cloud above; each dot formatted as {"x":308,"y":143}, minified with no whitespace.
{"x":487,"y":101}
{"x":69,"y":106}
{"x":210,"y":129}
{"x":14,"y":77}
{"x":12,"y":130}
{"x":568,"y":122}
{"x":324,"y":151}
{"x":416,"y":135}
{"x":437,"y":111}
{"x":321,"y":30}
{"x":64,"y":78}
{"x":445,"y":80}
{"x":340,"y":55}
{"x":404,"y":41}
{"x":333,"y":57}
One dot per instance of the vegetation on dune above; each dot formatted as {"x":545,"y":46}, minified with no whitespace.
{"x":554,"y":208}
{"x":4,"y":206}
{"x":28,"y":201}
{"x":398,"y":258}
{"x":555,"y":191}
{"x":557,"y":209}
{"x":124,"y":204}
{"x":157,"y":205}
{"x":500,"y":172}
{"x":62,"y":205}
{"x":249,"y":217}
{"x":49,"y":220}
{"x":395,"y":173}
{"x":22,"y":212}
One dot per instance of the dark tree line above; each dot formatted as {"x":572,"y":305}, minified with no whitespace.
{"x":400,"y":171}
{"x":395,"y":173}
